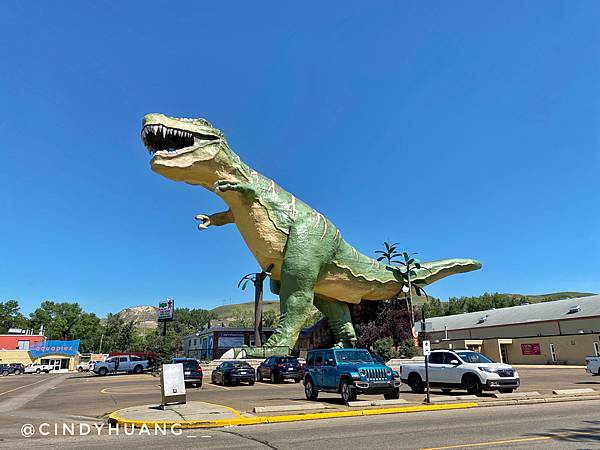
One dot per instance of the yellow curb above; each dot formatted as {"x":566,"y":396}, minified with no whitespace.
{"x":115,"y":418}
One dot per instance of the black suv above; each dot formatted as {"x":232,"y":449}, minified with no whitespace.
{"x":6,"y":369}
{"x":279,"y":368}
{"x":192,"y":372}
{"x":19,"y":368}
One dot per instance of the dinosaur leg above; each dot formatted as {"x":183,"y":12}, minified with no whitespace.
{"x":307,"y":250}
{"x":338,"y":318}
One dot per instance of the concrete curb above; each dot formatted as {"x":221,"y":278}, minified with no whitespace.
{"x":116,"y":419}
{"x":284,"y":408}
{"x":533,"y":401}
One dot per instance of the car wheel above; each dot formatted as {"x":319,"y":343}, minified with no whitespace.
{"x":212,"y":379}
{"x":309,"y":390}
{"x":80,"y":369}
{"x":348,"y":392}
{"x":297,"y":380}
{"x":415,"y":383}
{"x":46,"y":371}
{"x":37,"y":371}
{"x":251,"y":382}
{"x":17,"y":372}
{"x":273,"y":378}
{"x":103,"y":371}
{"x":138,"y":370}
{"x":446,"y":390}
{"x":506,"y":391}
{"x":5,"y":373}
{"x":394,"y":394}
{"x":258,"y":376}
{"x":473,"y":386}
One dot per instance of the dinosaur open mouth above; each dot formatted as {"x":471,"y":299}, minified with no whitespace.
{"x":158,"y":138}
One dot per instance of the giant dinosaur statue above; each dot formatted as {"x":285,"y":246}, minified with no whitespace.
{"x":313,"y":264}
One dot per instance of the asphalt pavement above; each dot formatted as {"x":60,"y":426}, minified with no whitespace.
{"x":86,"y":398}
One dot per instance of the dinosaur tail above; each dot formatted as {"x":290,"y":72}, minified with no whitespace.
{"x":436,"y":270}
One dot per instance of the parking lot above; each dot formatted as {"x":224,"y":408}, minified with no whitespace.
{"x":90,"y":395}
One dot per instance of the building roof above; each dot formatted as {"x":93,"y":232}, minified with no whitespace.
{"x":571,"y":308}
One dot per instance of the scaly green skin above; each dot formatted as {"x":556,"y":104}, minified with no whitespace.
{"x":313,"y":264}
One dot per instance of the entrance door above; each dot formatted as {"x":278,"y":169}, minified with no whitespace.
{"x":55,"y":364}
{"x":504,"y":353}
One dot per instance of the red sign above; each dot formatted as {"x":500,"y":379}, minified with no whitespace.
{"x":531,"y":349}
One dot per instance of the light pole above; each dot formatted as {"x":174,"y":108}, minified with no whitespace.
{"x":257,"y":279}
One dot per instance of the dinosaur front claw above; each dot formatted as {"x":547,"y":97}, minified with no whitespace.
{"x":204,"y":221}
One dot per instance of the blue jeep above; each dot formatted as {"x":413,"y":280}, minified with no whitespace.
{"x":349,"y":372}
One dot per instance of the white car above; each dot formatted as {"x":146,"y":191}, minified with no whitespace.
{"x":461,"y":369}
{"x":593,"y":365}
{"x":38,"y":368}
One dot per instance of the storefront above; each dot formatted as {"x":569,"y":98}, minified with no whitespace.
{"x":62,"y":356}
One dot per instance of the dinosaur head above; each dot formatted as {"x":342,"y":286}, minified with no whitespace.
{"x":183,"y":149}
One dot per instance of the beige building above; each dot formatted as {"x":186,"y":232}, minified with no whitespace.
{"x":558,"y":332}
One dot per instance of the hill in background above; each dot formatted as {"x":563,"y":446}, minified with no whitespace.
{"x":144,"y":317}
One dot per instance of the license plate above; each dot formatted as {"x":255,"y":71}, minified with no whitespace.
{"x":290,"y":368}
{"x":243,"y":373}
{"x":187,"y":372}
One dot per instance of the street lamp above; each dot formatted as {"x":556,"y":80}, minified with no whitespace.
{"x":257,"y":280}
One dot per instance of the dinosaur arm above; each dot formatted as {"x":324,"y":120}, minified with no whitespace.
{"x":216,"y":220}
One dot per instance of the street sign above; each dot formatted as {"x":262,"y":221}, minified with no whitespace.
{"x":426,"y":348}
{"x":165,"y":310}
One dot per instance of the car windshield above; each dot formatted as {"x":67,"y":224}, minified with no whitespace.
{"x":353,"y":356}
{"x":189,"y":365}
{"x":473,"y":357}
{"x":237,"y":365}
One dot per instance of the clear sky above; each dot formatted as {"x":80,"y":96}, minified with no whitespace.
{"x":459,"y":129}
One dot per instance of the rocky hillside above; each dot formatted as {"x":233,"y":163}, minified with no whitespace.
{"x":144,"y":317}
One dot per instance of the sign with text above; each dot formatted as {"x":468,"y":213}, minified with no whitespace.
{"x":531,"y":349}
{"x":69,"y":348}
{"x":426,"y":348}
{"x":165,"y":310}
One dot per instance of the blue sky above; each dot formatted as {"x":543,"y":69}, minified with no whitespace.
{"x":459,"y":129}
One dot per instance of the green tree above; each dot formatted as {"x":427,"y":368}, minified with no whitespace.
{"x":385,"y":348}
{"x":270,"y":319}
{"x":10,"y":316}
{"x":119,"y":334}
{"x":67,"y":321}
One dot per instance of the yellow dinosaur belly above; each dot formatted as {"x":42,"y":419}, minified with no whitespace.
{"x":265,"y":241}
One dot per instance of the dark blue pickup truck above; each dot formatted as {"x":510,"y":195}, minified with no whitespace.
{"x":349,"y":372}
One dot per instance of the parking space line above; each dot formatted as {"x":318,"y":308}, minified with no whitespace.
{"x":221,"y":387}
{"x":21,"y":387}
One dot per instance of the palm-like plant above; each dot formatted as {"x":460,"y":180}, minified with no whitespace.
{"x":408,"y":265}
{"x":389,"y":254}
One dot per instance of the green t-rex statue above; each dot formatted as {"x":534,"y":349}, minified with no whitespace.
{"x":313,"y":264}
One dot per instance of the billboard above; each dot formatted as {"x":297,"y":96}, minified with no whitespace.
{"x":68,"y":348}
{"x":531,"y":349}
{"x":165,"y":310}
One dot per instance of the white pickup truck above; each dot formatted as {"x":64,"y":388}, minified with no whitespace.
{"x":593,"y":365}
{"x":461,"y":369}
{"x":38,"y":368}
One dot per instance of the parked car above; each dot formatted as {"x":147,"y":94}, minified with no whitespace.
{"x":6,"y":369}
{"x":229,"y":372}
{"x":192,"y":372}
{"x":279,"y":368}
{"x":593,"y":365}
{"x":461,"y":369}
{"x":129,"y":364}
{"x":349,"y":372}
{"x":38,"y":368}
{"x":84,"y":366}
{"x":19,"y":368}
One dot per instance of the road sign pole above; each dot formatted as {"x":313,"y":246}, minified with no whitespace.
{"x":426,"y":351}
